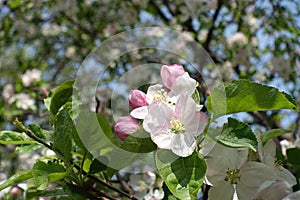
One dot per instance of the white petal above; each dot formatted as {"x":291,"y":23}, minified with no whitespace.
{"x":220,"y":191}
{"x":275,"y":190}
{"x":139,"y":113}
{"x":184,"y":84}
{"x":293,"y":196}
{"x":152,"y":91}
{"x":159,"y":114}
{"x":185,"y":108}
{"x":183,"y":144}
{"x":286,"y":175}
{"x":269,"y":152}
{"x":197,"y":125}
{"x":162,"y":138}
{"x":255,"y":173}
{"x":221,"y":158}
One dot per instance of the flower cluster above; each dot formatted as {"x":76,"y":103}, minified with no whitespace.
{"x":168,"y":112}
{"x":246,"y":177}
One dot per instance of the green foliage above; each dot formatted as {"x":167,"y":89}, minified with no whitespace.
{"x":139,"y":142}
{"x":183,"y":176}
{"x":45,"y":173}
{"x":273,"y":134}
{"x":59,"y":96}
{"x":12,"y":137}
{"x":245,"y":96}
{"x":17,"y":178}
{"x":238,"y":135}
{"x":62,"y":136}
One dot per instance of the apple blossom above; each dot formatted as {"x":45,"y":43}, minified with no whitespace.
{"x":275,"y":190}
{"x":267,"y":155}
{"x":23,"y":101}
{"x":31,"y":76}
{"x":137,"y":99}
{"x":155,"y":93}
{"x":234,"y":172}
{"x":125,"y":126}
{"x":170,"y":73}
{"x":293,"y":196}
{"x":175,"y":129}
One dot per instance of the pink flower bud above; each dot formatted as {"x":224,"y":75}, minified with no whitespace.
{"x":14,"y":191}
{"x":170,"y":73}
{"x":125,"y":126}
{"x":137,"y":99}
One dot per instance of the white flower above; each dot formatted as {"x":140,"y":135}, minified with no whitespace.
{"x":8,"y":91}
{"x":155,"y":194}
{"x":31,"y":76}
{"x":293,"y":196}
{"x":156,"y":93}
{"x":237,"y":39}
{"x":275,"y":190}
{"x":175,"y":129}
{"x":23,"y":101}
{"x":267,"y":155}
{"x":228,"y":170}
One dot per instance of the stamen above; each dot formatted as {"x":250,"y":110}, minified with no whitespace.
{"x":233,"y":176}
{"x":177,"y":126}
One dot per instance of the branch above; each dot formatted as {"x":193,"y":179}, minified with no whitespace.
{"x":211,"y":30}
{"x":29,"y":133}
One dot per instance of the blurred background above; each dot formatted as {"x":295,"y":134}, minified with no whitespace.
{"x":43,"y":43}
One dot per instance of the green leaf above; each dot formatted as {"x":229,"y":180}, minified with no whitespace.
{"x":16,"y":178}
{"x":273,"y":134}
{"x":14,"y":3}
{"x":293,"y":155}
{"x":182,"y":175}
{"x":139,"y":142}
{"x":196,"y":97}
{"x":63,"y":128}
{"x":97,"y":166}
{"x":38,"y":131}
{"x":22,"y":149}
{"x":59,"y":96}
{"x":16,"y":138}
{"x":238,"y":135}
{"x":45,"y":173}
{"x":246,"y":96}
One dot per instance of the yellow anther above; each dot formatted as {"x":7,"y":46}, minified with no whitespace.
{"x":160,"y":96}
{"x":233,"y":176}
{"x":177,"y":126}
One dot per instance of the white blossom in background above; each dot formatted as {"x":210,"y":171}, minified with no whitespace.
{"x":282,"y":67}
{"x":197,"y":6}
{"x":238,"y":39}
{"x":31,"y":76}
{"x":285,"y":144}
{"x":52,"y":30}
{"x":23,"y":101}
{"x":70,"y":52}
{"x":227,"y":70}
{"x":146,"y":184}
{"x":241,"y":57}
{"x":252,"y":22}
{"x":7,"y":92}
{"x":202,"y":35}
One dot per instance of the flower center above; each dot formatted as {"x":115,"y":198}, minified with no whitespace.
{"x":233,"y":176}
{"x":161,"y":95}
{"x":177,"y":126}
